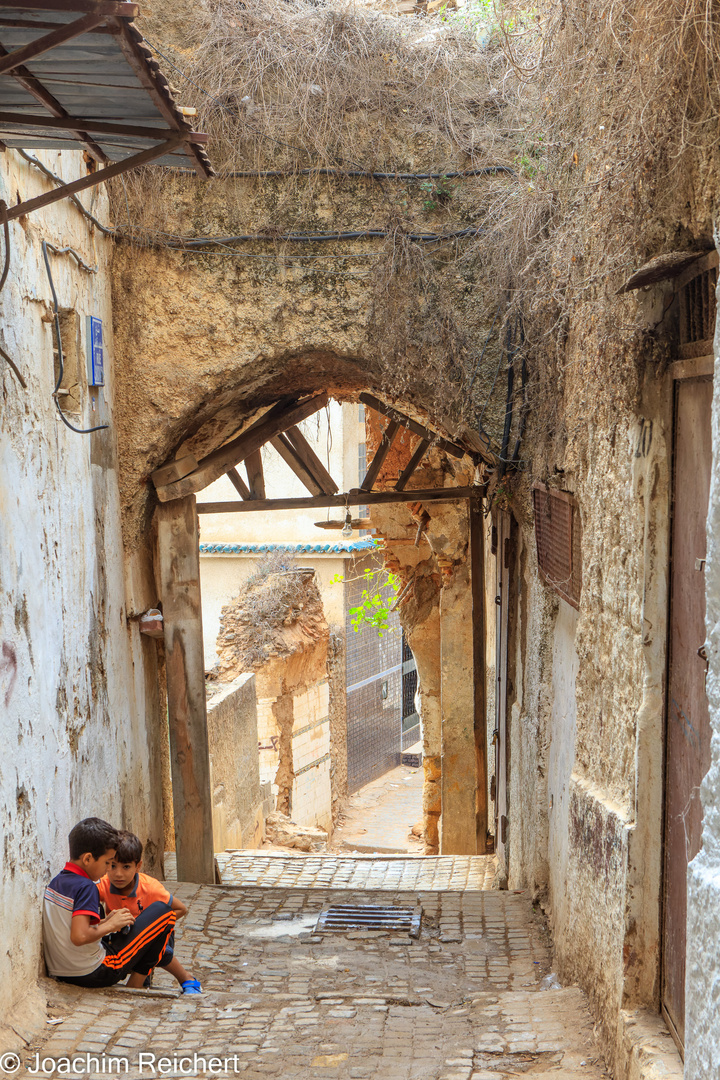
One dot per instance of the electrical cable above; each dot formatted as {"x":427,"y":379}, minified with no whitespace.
{"x":61,"y":366}
{"x":264,"y":174}
{"x":78,"y":258}
{"x":6,"y":231}
{"x":511,"y":350}
{"x":13,"y":366}
{"x":73,"y":198}
{"x":523,"y":382}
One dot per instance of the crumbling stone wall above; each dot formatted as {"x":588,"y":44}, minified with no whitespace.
{"x":425,"y":546}
{"x":237,"y":809}
{"x":586,"y":702}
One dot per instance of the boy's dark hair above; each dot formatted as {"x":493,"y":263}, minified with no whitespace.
{"x":129,"y":848}
{"x":93,"y":835}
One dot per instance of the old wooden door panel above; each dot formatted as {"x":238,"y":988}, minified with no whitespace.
{"x":688,"y":722}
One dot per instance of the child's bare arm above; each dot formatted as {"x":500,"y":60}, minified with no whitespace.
{"x":82,"y":932}
{"x":178,"y":907}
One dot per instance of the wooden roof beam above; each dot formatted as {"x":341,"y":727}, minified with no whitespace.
{"x":139,"y":56}
{"x":63,"y":33}
{"x":417,"y":456}
{"x":311,"y":461}
{"x":256,"y":479}
{"x":96,"y":7}
{"x":105,"y":127}
{"x":20,"y":209}
{"x":35,"y":88}
{"x":380,"y":454}
{"x":353,"y":498}
{"x":283,"y":415}
{"x":238,"y":483}
{"x":292,"y":459}
{"x":412,"y":425}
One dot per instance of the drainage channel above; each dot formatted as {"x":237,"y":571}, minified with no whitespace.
{"x":341,"y":918}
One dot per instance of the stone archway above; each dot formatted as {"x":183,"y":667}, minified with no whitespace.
{"x":190,"y":380}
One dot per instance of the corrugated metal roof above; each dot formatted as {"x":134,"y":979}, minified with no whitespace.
{"x":102,"y":77}
{"x":364,"y":544}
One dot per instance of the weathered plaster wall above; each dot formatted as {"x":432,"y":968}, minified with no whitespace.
{"x":702,"y":980}
{"x":234,"y":765}
{"x":227,"y":335}
{"x":561,"y":756}
{"x":78,"y":727}
{"x":586,"y":704}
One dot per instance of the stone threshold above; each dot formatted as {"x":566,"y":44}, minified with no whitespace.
{"x":646,"y":1049}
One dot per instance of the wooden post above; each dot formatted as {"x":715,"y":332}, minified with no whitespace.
{"x":179,"y":572}
{"x":458,"y":820}
{"x":463,"y":822}
{"x":477,"y":585}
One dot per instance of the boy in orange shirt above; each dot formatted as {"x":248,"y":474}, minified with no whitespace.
{"x":123,"y":886}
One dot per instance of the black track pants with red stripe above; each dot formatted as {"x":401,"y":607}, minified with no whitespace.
{"x":138,"y":951}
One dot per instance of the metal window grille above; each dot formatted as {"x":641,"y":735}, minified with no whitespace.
{"x":558,"y":538}
{"x":410,"y":717}
{"x":697,"y":307}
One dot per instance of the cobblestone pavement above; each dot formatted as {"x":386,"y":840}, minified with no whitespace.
{"x":464,"y":1001}
{"x":432,"y":873}
{"x":380,"y":815}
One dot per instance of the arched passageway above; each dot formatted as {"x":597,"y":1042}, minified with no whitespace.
{"x":461,"y":809}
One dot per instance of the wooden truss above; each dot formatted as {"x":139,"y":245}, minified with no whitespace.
{"x":278,"y":427}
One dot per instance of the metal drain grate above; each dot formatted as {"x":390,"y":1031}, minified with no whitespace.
{"x":339,"y":918}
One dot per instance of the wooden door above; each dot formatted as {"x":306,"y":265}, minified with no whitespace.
{"x":687,"y":745}
{"x":502,"y":601}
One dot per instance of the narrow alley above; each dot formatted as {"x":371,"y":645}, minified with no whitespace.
{"x":472,"y":998}
{"x":360,"y":539}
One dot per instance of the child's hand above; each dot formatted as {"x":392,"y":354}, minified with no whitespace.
{"x":118,"y":919}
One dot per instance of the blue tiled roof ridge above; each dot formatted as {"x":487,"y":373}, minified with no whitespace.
{"x":365,"y":543}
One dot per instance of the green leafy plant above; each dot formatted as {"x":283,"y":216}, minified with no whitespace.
{"x":529,"y":163}
{"x":376,"y":599}
{"x":436,"y":192}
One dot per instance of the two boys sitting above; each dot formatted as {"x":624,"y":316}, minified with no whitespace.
{"x":137,"y":935}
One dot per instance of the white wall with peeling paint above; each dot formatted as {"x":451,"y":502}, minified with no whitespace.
{"x":73,"y":674}
{"x":702,"y":973}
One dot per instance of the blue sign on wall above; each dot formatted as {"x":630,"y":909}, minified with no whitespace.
{"x":95,"y":358}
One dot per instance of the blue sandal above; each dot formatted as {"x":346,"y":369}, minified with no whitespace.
{"x":191,"y":986}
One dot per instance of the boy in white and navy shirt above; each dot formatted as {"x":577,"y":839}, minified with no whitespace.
{"x":80,"y":946}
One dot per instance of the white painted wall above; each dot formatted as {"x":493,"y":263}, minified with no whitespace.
{"x":72,"y":717}
{"x":702,"y":979}
{"x":561,"y":755}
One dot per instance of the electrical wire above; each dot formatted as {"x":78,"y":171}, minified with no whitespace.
{"x":13,"y":366}
{"x":78,"y":258}
{"x":73,"y":198}
{"x":6,"y":231}
{"x":61,"y":365}
{"x":264,"y":174}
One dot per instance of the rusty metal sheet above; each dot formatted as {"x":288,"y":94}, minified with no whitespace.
{"x":106,"y":74}
{"x":558,"y":537}
{"x":687,"y":750}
